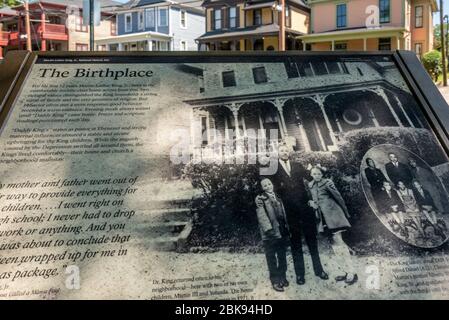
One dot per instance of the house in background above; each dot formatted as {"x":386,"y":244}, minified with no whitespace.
{"x":155,"y":25}
{"x":56,"y":25}
{"x":253,"y":25}
{"x":403,"y":24}
{"x":6,"y":15}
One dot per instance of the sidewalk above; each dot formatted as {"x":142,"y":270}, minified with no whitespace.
{"x":445,"y":92}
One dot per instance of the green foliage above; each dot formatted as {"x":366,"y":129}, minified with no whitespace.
{"x":432,"y":61}
{"x":436,"y":37}
{"x":9,"y":3}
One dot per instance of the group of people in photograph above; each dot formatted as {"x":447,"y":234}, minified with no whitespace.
{"x":403,"y":199}
{"x":297,"y":202}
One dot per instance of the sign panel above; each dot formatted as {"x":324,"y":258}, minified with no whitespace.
{"x":221,"y":177}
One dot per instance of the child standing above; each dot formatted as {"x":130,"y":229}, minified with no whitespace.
{"x":333,"y":217}
{"x":274,"y":231}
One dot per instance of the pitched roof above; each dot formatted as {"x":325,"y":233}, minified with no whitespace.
{"x":7,"y":11}
{"x":187,"y":4}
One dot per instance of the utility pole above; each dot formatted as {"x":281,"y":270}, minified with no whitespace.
{"x":91,"y":25}
{"x":27,"y":25}
{"x":443,"y":51}
{"x":282,"y":26}
{"x":446,"y":17}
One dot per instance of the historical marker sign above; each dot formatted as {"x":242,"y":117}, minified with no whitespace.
{"x":139,"y":176}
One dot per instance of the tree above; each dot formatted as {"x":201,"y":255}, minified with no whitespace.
{"x":9,"y":3}
{"x":436,"y":36}
{"x":432,"y":62}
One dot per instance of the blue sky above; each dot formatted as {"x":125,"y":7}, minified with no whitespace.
{"x":436,"y":16}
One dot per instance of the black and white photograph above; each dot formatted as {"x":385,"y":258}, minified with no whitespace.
{"x":406,"y":195}
{"x":264,"y":177}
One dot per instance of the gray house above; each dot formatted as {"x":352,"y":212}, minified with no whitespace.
{"x":156,"y":25}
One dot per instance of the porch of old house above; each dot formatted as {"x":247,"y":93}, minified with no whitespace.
{"x":316,"y":122}
{"x":360,"y":39}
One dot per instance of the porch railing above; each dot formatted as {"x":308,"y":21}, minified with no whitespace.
{"x":53,"y":28}
{"x":251,"y":150}
{"x":4,"y":38}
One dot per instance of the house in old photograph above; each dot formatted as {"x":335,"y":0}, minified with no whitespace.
{"x":56,"y":25}
{"x":155,"y":25}
{"x":351,"y":25}
{"x":242,"y":25}
{"x":311,"y":103}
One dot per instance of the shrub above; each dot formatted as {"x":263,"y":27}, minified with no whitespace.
{"x":226,"y":210}
{"x":433,"y":64}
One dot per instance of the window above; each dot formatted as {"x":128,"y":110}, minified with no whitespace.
{"x":101,"y":47}
{"x":82,"y":47}
{"x":163,"y":46}
{"x":341,"y":15}
{"x":342,"y":46}
{"x":232,"y":17}
{"x":258,"y":45}
{"x":333,"y":67}
{"x":128,"y":22}
{"x":204,"y":131}
{"x":79,"y":25}
{"x":183,"y":45}
{"x":320,"y":68}
{"x":140,"y":20}
{"x":296,"y":69}
{"x":229,"y":79}
{"x":55,"y":46}
{"x":257,"y":17}
{"x":163,"y":17}
{"x":310,"y":69}
{"x":183,"y":19}
{"x":54,"y":20}
{"x":217,"y":19}
{"x":12,"y":27}
{"x":384,"y":11}
{"x":260,"y":75}
{"x":150,"y":18}
{"x":385,"y":44}
{"x":288,"y":19}
{"x":113,"y":28}
{"x":418,"y":49}
{"x":418,"y":16}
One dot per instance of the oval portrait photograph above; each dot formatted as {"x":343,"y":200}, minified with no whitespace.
{"x":406,"y":195}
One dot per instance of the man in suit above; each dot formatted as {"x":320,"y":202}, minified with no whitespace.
{"x":398,"y":171}
{"x":290,"y":186}
{"x":422,"y":196}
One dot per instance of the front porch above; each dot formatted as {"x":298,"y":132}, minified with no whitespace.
{"x":305,"y":121}
{"x":44,"y":36}
{"x":143,"y":41}
{"x":365,"y":39}
{"x":253,"y":38}
{"x":259,"y":43}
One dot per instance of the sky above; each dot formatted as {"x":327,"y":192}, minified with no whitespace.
{"x":436,"y":16}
